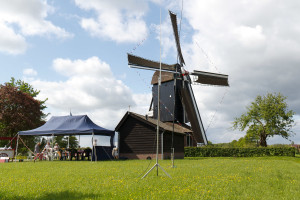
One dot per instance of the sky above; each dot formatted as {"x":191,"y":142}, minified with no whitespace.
{"x":75,"y":53}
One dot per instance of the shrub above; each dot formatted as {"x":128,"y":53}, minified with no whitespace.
{"x":238,"y":152}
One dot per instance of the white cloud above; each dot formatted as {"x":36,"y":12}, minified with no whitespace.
{"x":256,"y":43}
{"x":10,"y":41}
{"x":90,"y":84}
{"x":120,"y":21}
{"x":19,"y":19}
{"x":164,"y":33}
{"x":249,"y":37}
{"x":90,"y":88}
{"x":29,"y":72}
{"x":142,"y":102}
{"x":90,"y":67}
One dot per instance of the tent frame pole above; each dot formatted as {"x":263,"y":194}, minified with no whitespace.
{"x":52,"y":147}
{"x":92,"y":146}
{"x":17,"y":148}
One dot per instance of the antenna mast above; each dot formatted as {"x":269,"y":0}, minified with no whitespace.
{"x":158,"y":114}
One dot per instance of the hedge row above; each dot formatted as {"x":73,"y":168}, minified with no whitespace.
{"x":237,"y":152}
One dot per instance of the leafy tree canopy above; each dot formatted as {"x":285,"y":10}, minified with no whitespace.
{"x":27,"y":88}
{"x":62,"y":141}
{"x":19,"y":110}
{"x":23,"y":86}
{"x":267,"y":116}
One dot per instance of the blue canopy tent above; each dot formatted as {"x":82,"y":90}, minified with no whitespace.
{"x":70,"y":125}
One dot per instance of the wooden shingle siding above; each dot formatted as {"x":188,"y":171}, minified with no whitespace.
{"x":137,"y":137}
{"x":178,"y":143}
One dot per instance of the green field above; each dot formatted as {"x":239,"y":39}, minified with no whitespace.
{"x":204,"y":178}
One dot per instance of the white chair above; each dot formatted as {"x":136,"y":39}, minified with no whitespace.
{"x":30,"y":156}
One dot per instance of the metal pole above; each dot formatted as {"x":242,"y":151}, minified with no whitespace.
{"x":172,"y":157}
{"x":52,"y":150}
{"x":172,"y":145}
{"x":92,"y":146}
{"x":95,"y":150}
{"x":79,"y":140}
{"x":158,"y":98}
{"x":162,"y":145}
{"x":17,"y":148}
{"x":158,"y":116}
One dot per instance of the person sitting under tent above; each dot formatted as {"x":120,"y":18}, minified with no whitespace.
{"x":37,"y":152}
{"x":56,"y":151}
{"x":47,"y":151}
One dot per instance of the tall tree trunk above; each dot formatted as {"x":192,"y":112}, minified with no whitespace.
{"x":263,"y":140}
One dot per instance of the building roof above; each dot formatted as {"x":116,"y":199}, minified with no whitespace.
{"x":165,"y":77}
{"x":164,"y":126}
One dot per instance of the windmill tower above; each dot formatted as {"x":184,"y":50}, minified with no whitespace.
{"x":176,"y":84}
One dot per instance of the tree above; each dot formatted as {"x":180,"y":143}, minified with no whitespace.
{"x":73,"y":142}
{"x":18,"y":111}
{"x":27,"y":88}
{"x":62,"y":141}
{"x":267,"y":116}
{"x":23,"y":86}
{"x":245,"y":141}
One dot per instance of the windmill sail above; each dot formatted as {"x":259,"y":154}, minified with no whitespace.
{"x":176,"y":35}
{"x":192,"y":112}
{"x":139,"y":62}
{"x":211,"y":78}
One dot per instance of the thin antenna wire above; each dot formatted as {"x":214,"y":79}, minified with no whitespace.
{"x":158,"y":116}
{"x":180,"y":28}
{"x":212,"y":118}
{"x":175,"y":81}
{"x":158,"y":105}
{"x":209,"y":60}
{"x":172,"y":145}
{"x":180,"y":19}
{"x":226,"y":91}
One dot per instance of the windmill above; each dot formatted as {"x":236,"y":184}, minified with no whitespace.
{"x":176,"y":83}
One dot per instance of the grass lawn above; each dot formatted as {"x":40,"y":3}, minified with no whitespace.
{"x":203,"y":178}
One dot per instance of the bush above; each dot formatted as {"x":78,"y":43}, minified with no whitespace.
{"x":23,"y":151}
{"x":238,"y":152}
